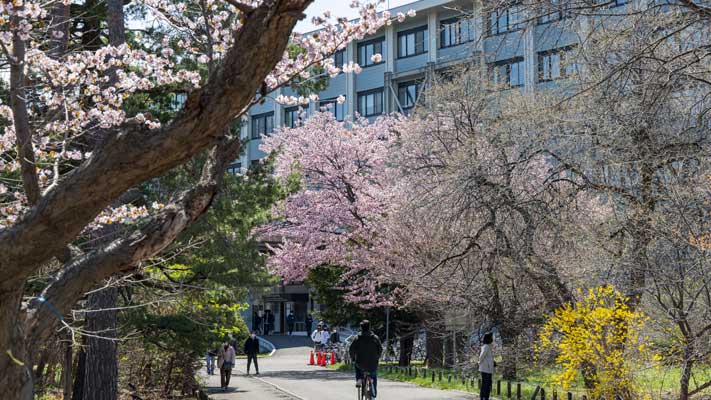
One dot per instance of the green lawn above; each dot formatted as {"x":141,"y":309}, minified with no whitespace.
{"x":657,"y":382}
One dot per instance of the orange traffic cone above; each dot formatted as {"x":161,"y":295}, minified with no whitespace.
{"x":318,"y":358}
{"x":323,"y":359}
{"x":333,"y":358}
{"x":311,"y":358}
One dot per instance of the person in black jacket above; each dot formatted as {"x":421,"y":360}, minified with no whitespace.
{"x":335,"y":337}
{"x":251,"y":349}
{"x":309,"y":321}
{"x":365,"y":352}
{"x":290,"y":319}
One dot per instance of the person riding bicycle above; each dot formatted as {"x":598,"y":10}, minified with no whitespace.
{"x":365,"y":352}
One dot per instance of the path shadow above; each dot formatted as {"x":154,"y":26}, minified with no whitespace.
{"x":215,"y":390}
{"x":288,"y":342}
{"x":323,"y":374}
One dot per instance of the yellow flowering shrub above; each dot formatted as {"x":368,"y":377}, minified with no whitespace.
{"x":599,"y":334}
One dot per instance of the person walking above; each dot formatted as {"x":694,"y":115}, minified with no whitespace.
{"x":486,"y":366}
{"x":258,"y":324}
{"x":210,"y":361}
{"x":270,"y":320}
{"x":320,"y":338}
{"x":309,"y":322}
{"x":255,"y":321}
{"x":290,"y":319}
{"x":365,"y":352}
{"x":225,"y":361}
{"x":335,"y":337}
{"x":251,"y":349}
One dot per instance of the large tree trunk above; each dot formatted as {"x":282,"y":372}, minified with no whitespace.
{"x":435,"y":345}
{"x":39,"y":371}
{"x":67,"y":364}
{"x":449,"y":350}
{"x":79,"y":376}
{"x":508,"y":355}
{"x":407,"y":342}
{"x":15,"y":365}
{"x":101,"y":367}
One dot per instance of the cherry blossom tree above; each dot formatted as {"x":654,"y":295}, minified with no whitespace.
{"x":336,"y":218}
{"x":68,"y":148}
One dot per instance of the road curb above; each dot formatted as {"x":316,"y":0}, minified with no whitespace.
{"x":261,"y":339}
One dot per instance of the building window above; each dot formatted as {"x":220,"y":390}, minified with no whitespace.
{"x":555,"y":64}
{"x":262,"y":124}
{"x":334,"y":107}
{"x":508,"y":73}
{"x":412,"y":42}
{"x":338,"y":58}
{"x":367,"y":50}
{"x":552,"y":11}
{"x":505,"y":19}
{"x":295,"y":116}
{"x":370,"y":103}
{"x":407,"y":95}
{"x":234,"y":168}
{"x":616,"y":3}
{"x":455,"y":31}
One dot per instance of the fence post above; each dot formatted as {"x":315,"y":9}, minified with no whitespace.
{"x":449,"y":378}
{"x":570,"y":396}
{"x":409,"y":371}
{"x":440,"y":376}
{"x":424,"y":373}
{"x":508,"y":389}
{"x":464,"y":380}
{"x":518,"y":390}
{"x":433,"y":376}
{"x":535,"y":393}
{"x":498,"y":387}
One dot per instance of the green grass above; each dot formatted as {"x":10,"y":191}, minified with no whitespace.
{"x":657,"y":382}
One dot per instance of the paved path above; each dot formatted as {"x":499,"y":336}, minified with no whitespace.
{"x":286,"y":375}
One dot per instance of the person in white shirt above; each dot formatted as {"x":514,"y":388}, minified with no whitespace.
{"x":319,"y":337}
{"x":486,"y":366}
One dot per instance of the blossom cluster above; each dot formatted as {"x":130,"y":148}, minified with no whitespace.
{"x":331,"y":36}
{"x":343,"y":170}
{"x":124,"y":214}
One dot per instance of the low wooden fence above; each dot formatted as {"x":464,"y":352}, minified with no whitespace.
{"x":502,"y":389}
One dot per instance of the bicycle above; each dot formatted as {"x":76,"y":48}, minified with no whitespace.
{"x":366,"y":389}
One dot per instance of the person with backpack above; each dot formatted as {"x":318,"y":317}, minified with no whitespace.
{"x":365,"y":352}
{"x":225,"y":361}
{"x":486,"y":366}
{"x":251,"y":349}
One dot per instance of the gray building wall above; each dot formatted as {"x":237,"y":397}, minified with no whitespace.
{"x":526,"y":43}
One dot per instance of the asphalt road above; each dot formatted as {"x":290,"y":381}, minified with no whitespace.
{"x":286,"y":375}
